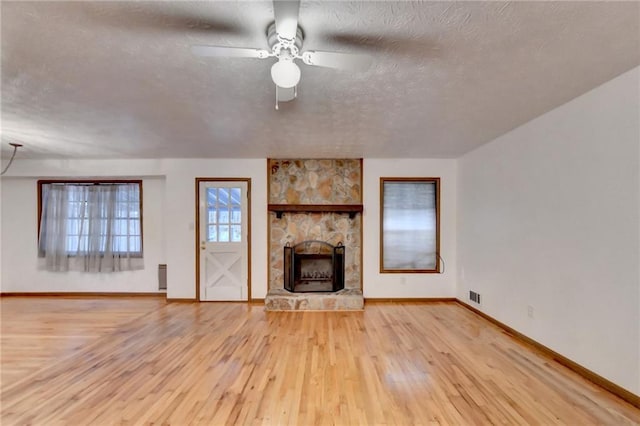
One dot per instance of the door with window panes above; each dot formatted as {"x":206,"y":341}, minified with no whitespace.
{"x":223,"y":240}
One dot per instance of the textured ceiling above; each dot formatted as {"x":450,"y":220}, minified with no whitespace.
{"x":117,"y":79}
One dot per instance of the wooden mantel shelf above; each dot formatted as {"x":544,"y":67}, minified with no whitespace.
{"x":350,"y":209}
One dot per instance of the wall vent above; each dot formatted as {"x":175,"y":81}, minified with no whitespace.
{"x":162,"y":276}
{"x":474,"y":297}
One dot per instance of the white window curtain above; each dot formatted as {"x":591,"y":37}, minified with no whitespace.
{"x":91,"y":228}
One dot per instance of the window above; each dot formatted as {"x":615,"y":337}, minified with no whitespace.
{"x":80,"y":218}
{"x":224,"y":221}
{"x":409,"y":225}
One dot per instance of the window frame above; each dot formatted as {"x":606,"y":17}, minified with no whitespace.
{"x":410,"y":180}
{"x":42,"y":182}
{"x":217,"y":223}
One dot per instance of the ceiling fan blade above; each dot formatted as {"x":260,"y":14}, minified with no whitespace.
{"x":165,"y":17}
{"x":342,"y":61}
{"x":285,"y":95}
{"x":228,"y":52}
{"x":286,"y":15}
{"x":396,"y":44}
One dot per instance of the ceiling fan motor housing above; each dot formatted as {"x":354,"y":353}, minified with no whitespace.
{"x":276,"y":44}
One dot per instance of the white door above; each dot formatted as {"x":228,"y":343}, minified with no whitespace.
{"x":223,"y":240}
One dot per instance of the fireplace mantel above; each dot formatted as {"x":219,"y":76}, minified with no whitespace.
{"x":350,"y":209}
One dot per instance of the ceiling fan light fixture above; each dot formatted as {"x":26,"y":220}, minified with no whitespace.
{"x":285,"y":73}
{"x":285,"y":39}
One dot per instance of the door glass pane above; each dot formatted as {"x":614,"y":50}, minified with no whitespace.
{"x":212,"y":235}
{"x":236,"y":233}
{"x":223,"y":233}
{"x":223,"y":216}
{"x":223,"y":197}
{"x":212,"y":196}
{"x":235,"y":195}
{"x":236,"y":215}
{"x":212,"y":215}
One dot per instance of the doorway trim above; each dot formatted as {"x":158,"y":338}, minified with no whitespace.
{"x":197,"y":229}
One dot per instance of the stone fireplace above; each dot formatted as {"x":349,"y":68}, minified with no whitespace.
{"x":315,"y":235}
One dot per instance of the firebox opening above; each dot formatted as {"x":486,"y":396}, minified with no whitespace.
{"x":315,"y":273}
{"x":314,"y":266}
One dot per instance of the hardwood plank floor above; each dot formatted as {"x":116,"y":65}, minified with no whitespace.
{"x":141,"y":361}
{"x":37,"y":331}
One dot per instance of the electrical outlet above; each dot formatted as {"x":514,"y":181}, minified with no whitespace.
{"x":530,"y":311}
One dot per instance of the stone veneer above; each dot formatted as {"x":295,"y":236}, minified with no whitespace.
{"x":315,"y":182}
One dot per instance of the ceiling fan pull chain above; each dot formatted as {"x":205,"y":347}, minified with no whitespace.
{"x":277,"y":98}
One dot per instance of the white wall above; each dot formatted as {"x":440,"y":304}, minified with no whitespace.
{"x":377,"y":285}
{"x":180,"y":214}
{"x":169,"y":218}
{"x":549,"y":217}
{"x":20,"y":271}
{"x":169,"y":214}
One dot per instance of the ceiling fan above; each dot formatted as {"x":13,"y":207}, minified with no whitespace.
{"x":285,"y":39}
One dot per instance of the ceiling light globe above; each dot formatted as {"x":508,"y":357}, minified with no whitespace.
{"x":285,"y":74}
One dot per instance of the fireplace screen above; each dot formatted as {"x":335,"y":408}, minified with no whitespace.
{"x":314,"y":266}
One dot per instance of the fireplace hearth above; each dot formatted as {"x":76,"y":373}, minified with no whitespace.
{"x":314,"y":266}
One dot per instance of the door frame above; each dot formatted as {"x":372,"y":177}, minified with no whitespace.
{"x":197,"y":229}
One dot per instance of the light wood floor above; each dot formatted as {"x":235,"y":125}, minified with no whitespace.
{"x":135,"y":361}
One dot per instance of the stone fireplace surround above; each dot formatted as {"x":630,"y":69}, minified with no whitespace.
{"x":315,"y":199}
